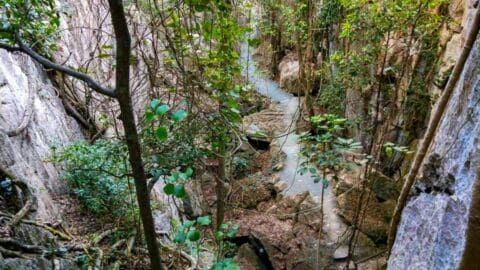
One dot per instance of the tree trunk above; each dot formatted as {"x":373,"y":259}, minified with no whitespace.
{"x":219,"y":187}
{"x":122,"y":78}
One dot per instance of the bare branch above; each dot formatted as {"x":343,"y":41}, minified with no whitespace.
{"x":22,"y":47}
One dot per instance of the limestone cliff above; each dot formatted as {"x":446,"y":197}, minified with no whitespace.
{"x":433,"y":228}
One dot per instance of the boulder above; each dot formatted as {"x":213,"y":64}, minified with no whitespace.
{"x":377,"y":214}
{"x":247,"y":259}
{"x":257,"y":138}
{"x":250,"y":191}
{"x":383,"y":187}
{"x":289,"y":79}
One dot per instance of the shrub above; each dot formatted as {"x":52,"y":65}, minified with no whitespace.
{"x":96,"y":173}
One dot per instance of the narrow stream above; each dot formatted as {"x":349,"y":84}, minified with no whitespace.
{"x":333,"y":226}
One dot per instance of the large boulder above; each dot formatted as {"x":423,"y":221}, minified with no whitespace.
{"x":377,"y":213}
{"x":289,"y":78}
{"x":247,"y":259}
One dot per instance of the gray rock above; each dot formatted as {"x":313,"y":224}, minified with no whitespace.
{"x":340,"y":253}
{"x":37,"y":264}
{"x":431,"y":234}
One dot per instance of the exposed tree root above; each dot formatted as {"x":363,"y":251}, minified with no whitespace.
{"x":31,"y":201}
{"x":128,"y":249}
{"x":17,"y":245}
{"x":102,"y":236}
{"x":118,"y":244}
{"x":192,"y":260}
{"x":21,"y":214}
{"x":27,"y":115}
{"x":58,"y":233}
{"x":11,"y":253}
{"x":98,"y":260}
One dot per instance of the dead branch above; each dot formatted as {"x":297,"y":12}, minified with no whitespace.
{"x":128,"y":249}
{"x":31,"y":199}
{"x":118,"y":244}
{"x":98,"y":259}
{"x":102,"y":236}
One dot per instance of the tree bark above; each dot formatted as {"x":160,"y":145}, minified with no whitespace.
{"x":122,"y":81}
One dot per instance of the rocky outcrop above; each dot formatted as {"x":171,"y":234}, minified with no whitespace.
{"x":289,"y":78}
{"x":36,"y":237}
{"x":86,"y":43}
{"x":27,"y":97}
{"x":432,"y":231}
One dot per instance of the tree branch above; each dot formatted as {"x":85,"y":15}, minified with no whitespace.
{"x":22,"y":47}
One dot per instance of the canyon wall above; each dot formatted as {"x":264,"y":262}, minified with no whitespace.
{"x":432,"y":231}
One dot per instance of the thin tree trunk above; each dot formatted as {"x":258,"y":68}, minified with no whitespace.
{"x":123,"y":41}
{"x":431,"y":130}
{"x":219,"y":187}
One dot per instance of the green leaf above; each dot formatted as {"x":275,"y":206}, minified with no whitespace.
{"x":179,"y":115}
{"x":179,"y":191}
{"x":149,"y":116}
{"x":179,"y":238}
{"x":154,"y":104}
{"x":163,"y":109}
{"x":168,"y":189}
{"x":189,"y":172}
{"x":219,"y":235}
{"x":231,"y":234}
{"x":193,"y":235}
{"x":389,"y":151}
{"x":204,"y":221}
{"x":229,"y":264}
{"x":161,"y":133}
{"x":188,"y":223}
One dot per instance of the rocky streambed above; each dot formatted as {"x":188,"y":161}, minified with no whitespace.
{"x":288,"y":223}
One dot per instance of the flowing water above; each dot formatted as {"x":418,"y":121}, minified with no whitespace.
{"x":333,"y":226}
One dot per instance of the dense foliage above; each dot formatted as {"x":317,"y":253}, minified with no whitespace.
{"x":98,"y":175}
{"x":34,"y":21}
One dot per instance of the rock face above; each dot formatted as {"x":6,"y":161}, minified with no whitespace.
{"x":87,"y":43}
{"x":377,"y":213}
{"x":289,"y":70}
{"x":32,"y":235}
{"x":27,"y":96}
{"x":431,"y":234}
